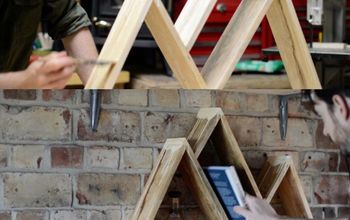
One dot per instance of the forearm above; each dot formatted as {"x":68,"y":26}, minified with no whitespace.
{"x":82,"y":46}
{"x":11,"y":80}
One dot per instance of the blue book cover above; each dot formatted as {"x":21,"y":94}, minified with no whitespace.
{"x":219,"y":179}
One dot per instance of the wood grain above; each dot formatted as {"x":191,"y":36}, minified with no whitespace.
{"x":230,"y":153}
{"x":119,"y":43}
{"x":207,"y":120}
{"x":170,"y":43}
{"x":200,"y":187}
{"x":160,"y":178}
{"x":292,"y":195}
{"x":234,"y":41}
{"x":292,"y":45}
{"x":192,"y":19}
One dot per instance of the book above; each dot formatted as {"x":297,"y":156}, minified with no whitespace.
{"x":228,"y":188}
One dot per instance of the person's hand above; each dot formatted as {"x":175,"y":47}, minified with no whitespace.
{"x":50,"y":72}
{"x":258,"y":209}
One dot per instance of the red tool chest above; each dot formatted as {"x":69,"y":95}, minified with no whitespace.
{"x":263,"y":38}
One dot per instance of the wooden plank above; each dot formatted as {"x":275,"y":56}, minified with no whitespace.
{"x":292,"y":45}
{"x":258,"y":81}
{"x":170,"y":43}
{"x":200,"y":187}
{"x":329,"y":45}
{"x":245,"y":81}
{"x":207,"y":119}
{"x":160,"y":178}
{"x":234,"y":42}
{"x":119,"y":43}
{"x":272,"y":174}
{"x":75,"y":80}
{"x":292,"y":195}
{"x":231,"y":154}
{"x":192,"y":19}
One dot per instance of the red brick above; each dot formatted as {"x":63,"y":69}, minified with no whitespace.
{"x":343,"y":167}
{"x":3,"y":156}
{"x":20,"y":94}
{"x":31,"y":215}
{"x":133,"y":97}
{"x":343,"y":212}
{"x":160,"y":126}
{"x":103,"y":157}
{"x":67,"y":157}
{"x":69,"y":215}
{"x":5,"y":216}
{"x":168,"y":98}
{"x":105,"y":215}
{"x":247,"y":130}
{"x":228,"y":100}
{"x":256,"y":102}
{"x":324,"y":142}
{"x":319,"y":162}
{"x":306,"y":182}
{"x":113,"y":126}
{"x":106,"y":95}
{"x":30,"y":190}
{"x":40,"y":123}
{"x":323,"y":212}
{"x":295,"y":107}
{"x":331,"y":189}
{"x":299,"y":133}
{"x":196,"y":98}
{"x":256,"y":158}
{"x":109,"y":189}
{"x":59,"y":95}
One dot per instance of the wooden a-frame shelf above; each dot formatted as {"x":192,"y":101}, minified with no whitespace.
{"x":278,"y":176}
{"x":176,"y":40}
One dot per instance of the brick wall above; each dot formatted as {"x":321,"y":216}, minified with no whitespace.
{"x":53,"y":167}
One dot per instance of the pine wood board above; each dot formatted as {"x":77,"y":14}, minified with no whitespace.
{"x":192,"y":19}
{"x":230,"y":153}
{"x":292,"y":195}
{"x":119,"y":43}
{"x":172,"y":47}
{"x":233,"y":42}
{"x":200,"y":187}
{"x":160,"y":178}
{"x":272,"y":174}
{"x":292,"y":45}
{"x":207,"y":120}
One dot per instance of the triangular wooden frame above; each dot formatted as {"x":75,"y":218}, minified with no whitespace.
{"x":212,"y":124}
{"x":177,"y":154}
{"x":175,"y":41}
{"x":278,"y":175}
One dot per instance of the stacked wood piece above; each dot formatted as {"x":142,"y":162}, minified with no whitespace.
{"x":278,"y":175}
{"x":175,"y":41}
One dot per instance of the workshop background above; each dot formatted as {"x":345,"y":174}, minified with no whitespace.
{"x":54,"y":167}
{"x":146,"y":58}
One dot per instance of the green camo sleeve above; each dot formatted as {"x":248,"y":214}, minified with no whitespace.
{"x":64,"y":17}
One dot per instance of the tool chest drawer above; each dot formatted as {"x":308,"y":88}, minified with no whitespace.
{"x":216,"y":24}
{"x":263,"y":38}
{"x":223,"y":11}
